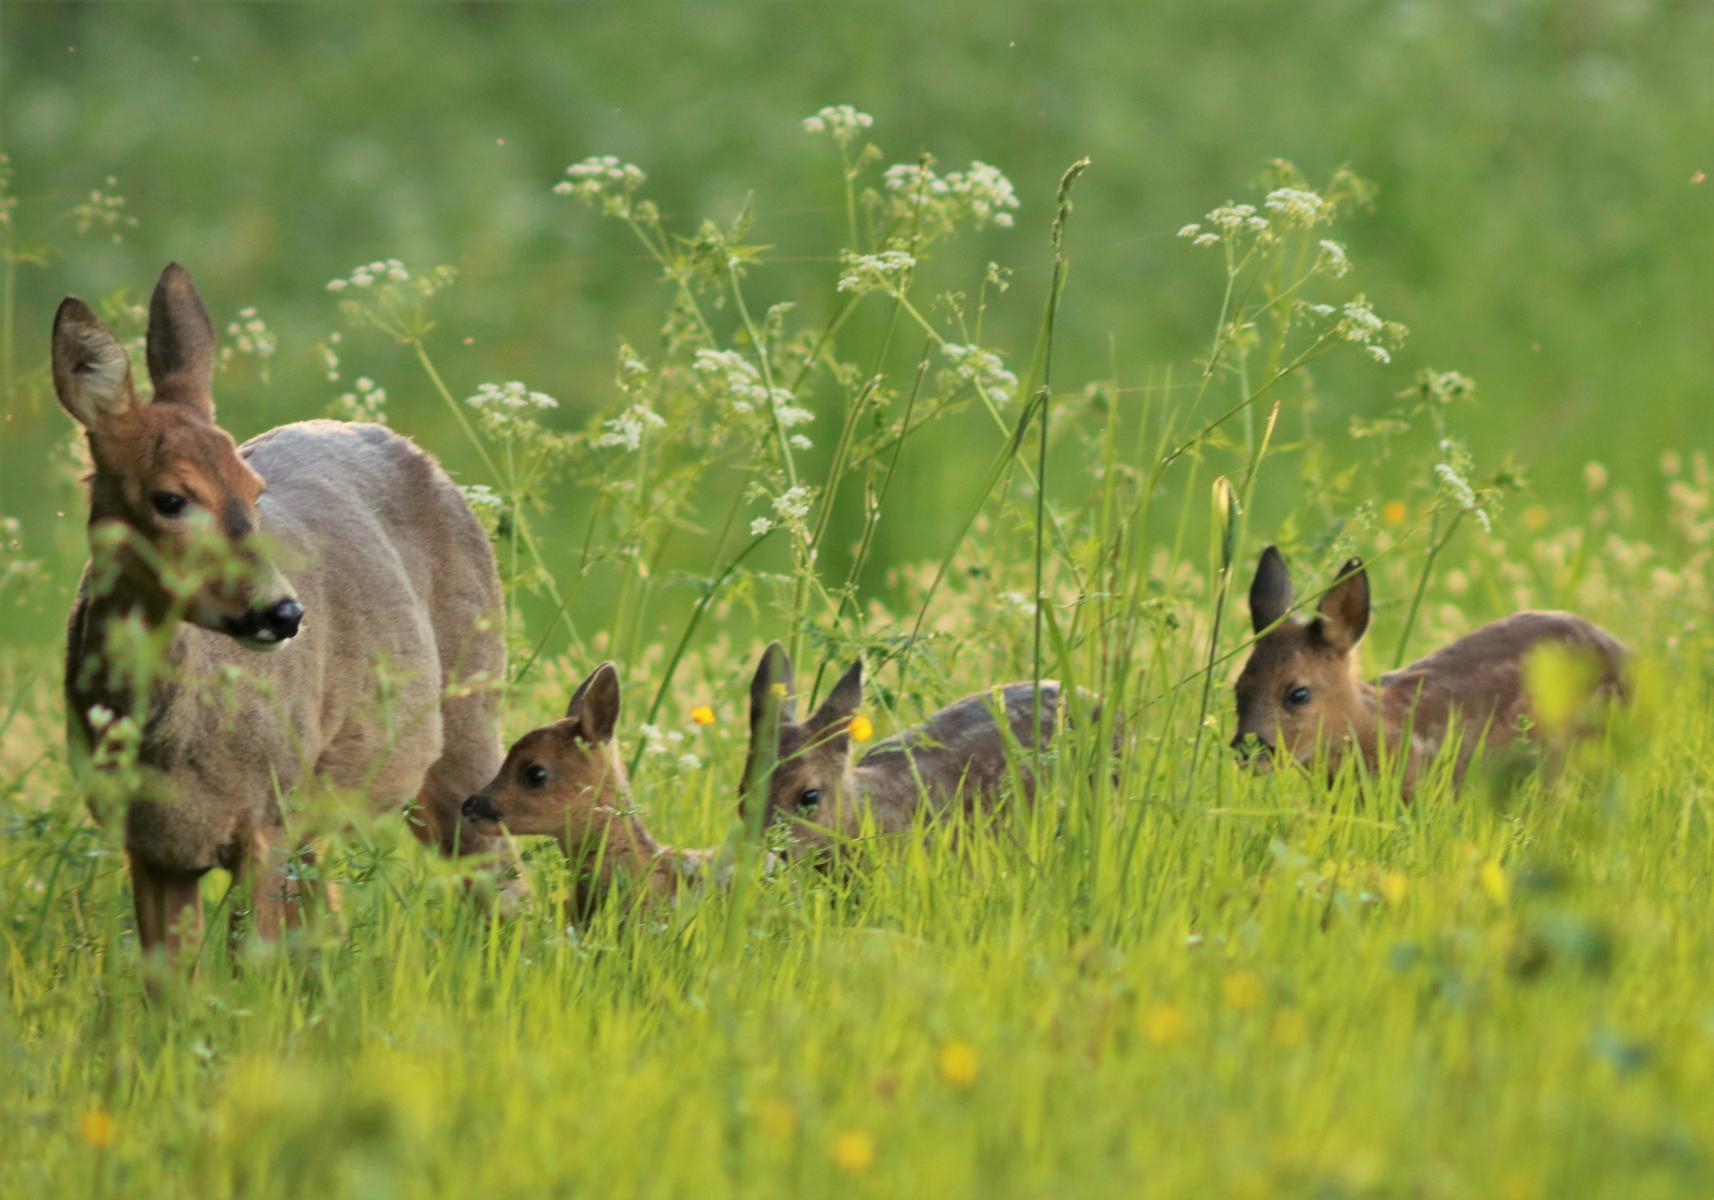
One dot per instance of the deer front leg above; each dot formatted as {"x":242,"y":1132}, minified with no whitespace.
{"x":168,"y":904}
{"x":273,"y":889}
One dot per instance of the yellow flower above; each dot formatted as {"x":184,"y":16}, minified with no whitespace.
{"x":1495,"y":882}
{"x":1242,"y":989}
{"x":702,"y":714}
{"x":97,"y":1127}
{"x":1164,"y":1024}
{"x":778,"y":689}
{"x":853,"y":1150}
{"x":1393,"y":887}
{"x":1535,"y":518}
{"x":1289,"y":1028}
{"x":776,"y":1118}
{"x":1393,"y":512}
{"x":862,"y":728}
{"x":958,"y":1062}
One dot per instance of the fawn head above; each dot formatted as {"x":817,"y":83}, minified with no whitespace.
{"x":1299,"y":683}
{"x":810,"y":789}
{"x":556,"y":779}
{"x":169,"y":481}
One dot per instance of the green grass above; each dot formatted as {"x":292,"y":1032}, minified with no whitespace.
{"x":1170,"y":978}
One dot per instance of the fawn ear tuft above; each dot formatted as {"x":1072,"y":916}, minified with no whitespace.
{"x":92,"y":372}
{"x":180,"y":345}
{"x":1344,"y":607}
{"x":595,"y":704}
{"x":773,"y":678}
{"x":1270,"y":590}
{"x":833,"y":716}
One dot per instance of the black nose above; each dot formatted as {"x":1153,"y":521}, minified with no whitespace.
{"x":478,"y":809}
{"x":283,"y":619}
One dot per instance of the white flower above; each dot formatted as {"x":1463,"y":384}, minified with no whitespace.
{"x":508,"y":410}
{"x":382,"y":270}
{"x":1191,"y":230}
{"x":793,"y":504}
{"x":800,"y":442}
{"x":1206,"y":239}
{"x":983,"y":368}
{"x":982,"y":193}
{"x":841,"y":120}
{"x":367,"y":403}
{"x":1232,"y":217}
{"x":988,"y":192}
{"x":1379,"y":353}
{"x":1332,"y":259}
{"x":689,"y":762}
{"x":1297,"y":208}
{"x":866,"y":272}
{"x":760,"y":526}
{"x":602,"y":179}
{"x":745,"y":392}
{"x":628,"y":427}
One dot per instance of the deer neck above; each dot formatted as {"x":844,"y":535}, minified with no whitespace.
{"x":615,"y":841}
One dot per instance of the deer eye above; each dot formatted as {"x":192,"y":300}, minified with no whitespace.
{"x":535,"y":775}
{"x":808,"y":800}
{"x":1297,"y":697}
{"x":168,"y":504}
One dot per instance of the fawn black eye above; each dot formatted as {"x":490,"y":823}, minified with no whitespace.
{"x":535,"y":775}
{"x":808,"y":800}
{"x":1297,"y":697}
{"x":168,"y":504}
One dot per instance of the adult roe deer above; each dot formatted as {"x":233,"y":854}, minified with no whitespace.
{"x":385,"y":597}
{"x":1300,"y":686}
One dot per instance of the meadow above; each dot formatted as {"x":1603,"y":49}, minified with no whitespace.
{"x":981,"y":345}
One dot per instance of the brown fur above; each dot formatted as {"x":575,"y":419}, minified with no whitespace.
{"x":1473,"y":689}
{"x":566,"y":781}
{"x":398,"y":592}
{"x":958,"y":755}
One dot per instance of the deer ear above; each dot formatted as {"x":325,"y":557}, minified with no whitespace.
{"x":1270,"y":590}
{"x":595,"y":704}
{"x":832,"y":719}
{"x":1344,"y":607}
{"x":773,"y":674}
{"x":92,"y":372}
{"x":180,"y":342}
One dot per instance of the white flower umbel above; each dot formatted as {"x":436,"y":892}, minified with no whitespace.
{"x":1297,"y":208}
{"x":984,"y":368}
{"x":866,"y":272}
{"x":382,"y":270}
{"x":843,"y":121}
{"x":506,"y":409}
{"x":603,"y":182}
{"x":367,"y":402}
{"x":627,"y":429}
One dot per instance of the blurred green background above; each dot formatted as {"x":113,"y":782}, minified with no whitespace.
{"x":1540,"y":223}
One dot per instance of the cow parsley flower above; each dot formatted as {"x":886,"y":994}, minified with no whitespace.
{"x":792,"y":505}
{"x":368,"y":402}
{"x":628,"y":427}
{"x":382,"y":270}
{"x":841,"y":120}
{"x":509,"y":409}
{"x":604,"y":182}
{"x":867,"y":272}
{"x":1332,"y":259}
{"x":984,"y":369}
{"x":1297,"y":208}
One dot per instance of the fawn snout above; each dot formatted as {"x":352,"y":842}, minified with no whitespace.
{"x":269,"y":625}
{"x":480,"y":808}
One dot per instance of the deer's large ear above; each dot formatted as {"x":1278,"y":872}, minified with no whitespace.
{"x":1270,"y":590}
{"x":831,"y":721}
{"x":92,"y":372}
{"x":773,"y":674}
{"x":1344,"y":607}
{"x":595,"y":704}
{"x":180,"y":342}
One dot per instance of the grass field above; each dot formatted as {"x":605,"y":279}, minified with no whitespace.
{"x":973,"y":419}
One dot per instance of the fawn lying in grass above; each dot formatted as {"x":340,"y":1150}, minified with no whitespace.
{"x":389,"y":593}
{"x":1300,"y":687}
{"x":958,"y":754}
{"x":566,"y":781}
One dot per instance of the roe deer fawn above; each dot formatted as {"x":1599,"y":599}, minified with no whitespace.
{"x":566,"y":781}
{"x":1300,"y":685}
{"x":388,"y":586}
{"x":959,"y":753}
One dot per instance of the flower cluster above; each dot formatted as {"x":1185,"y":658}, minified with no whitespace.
{"x":103,"y":210}
{"x":791,"y":508}
{"x":487,"y":504}
{"x":658,"y":742}
{"x":1283,"y":210}
{"x":982,"y":194}
{"x":626,"y":430}
{"x":841,"y":120}
{"x":251,"y":338}
{"x":982,"y":368}
{"x":382,"y":270}
{"x":508,"y":409}
{"x":867,"y":272}
{"x":368,"y":402}
{"x":1359,"y":324}
{"x":604,"y":182}
{"x":741,"y":382}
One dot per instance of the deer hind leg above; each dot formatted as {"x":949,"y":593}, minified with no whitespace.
{"x":168,"y":904}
